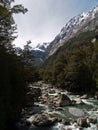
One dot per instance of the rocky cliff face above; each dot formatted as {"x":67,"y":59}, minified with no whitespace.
{"x":81,"y":23}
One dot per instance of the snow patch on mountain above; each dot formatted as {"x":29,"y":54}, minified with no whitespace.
{"x":76,"y":24}
{"x":41,"y":47}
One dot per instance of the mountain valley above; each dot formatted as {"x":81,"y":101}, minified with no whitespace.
{"x":78,"y":25}
{"x":53,"y":86}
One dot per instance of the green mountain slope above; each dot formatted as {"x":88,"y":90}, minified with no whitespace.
{"x":74,"y":65}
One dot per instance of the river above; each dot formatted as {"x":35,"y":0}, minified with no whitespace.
{"x":84,"y":108}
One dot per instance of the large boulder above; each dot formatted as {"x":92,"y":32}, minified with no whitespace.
{"x":79,"y":101}
{"x":82,"y":122}
{"x":63,"y":100}
{"x":44,"y":120}
{"x":76,"y":112}
{"x":93,"y":120}
{"x":66,"y":122}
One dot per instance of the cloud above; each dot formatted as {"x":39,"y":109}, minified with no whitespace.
{"x":45,"y":18}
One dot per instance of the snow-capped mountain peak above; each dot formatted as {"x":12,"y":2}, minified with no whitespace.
{"x":86,"y":21}
{"x":78,"y":20}
{"x":74,"y":22}
{"x":95,"y":10}
{"x":79,"y":23}
{"x":41,"y":47}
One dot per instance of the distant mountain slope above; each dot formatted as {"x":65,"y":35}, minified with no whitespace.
{"x":81,"y":23}
{"x":41,"y":47}
{"x":37,"y":51}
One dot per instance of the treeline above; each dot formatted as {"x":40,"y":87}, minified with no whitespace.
{"x":12,"y":88}
{"x":75,"y":69}
{"x":15,"y":76}
{"x":15,"y":73}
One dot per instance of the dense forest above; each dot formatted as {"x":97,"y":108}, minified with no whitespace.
{"x":14,"y":70}
{"x":74,"y":66}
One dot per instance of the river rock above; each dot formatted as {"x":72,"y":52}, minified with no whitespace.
{"x":97,"y":125}
{"x":59,"y":108}
{"x":96,"y":95}
{"x":93,"y":120}
{"x":79,"y":101}
{"x":63,"y":100}
{"x":76,"y":112}
{"x":44,"y":119}
{"x":66,"y":122}
{"x":85,"y":96}
{"x":73,"y":102}
{"x":52,"y":91}
{"x":82,"y":122}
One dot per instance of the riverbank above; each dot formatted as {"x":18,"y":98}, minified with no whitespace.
{"x":57,"y":109}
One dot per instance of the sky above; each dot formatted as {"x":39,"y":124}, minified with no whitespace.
{"x":45,"y":18}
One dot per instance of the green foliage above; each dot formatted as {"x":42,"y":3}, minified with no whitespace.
{"x":7,"y":23}
{"x":31,"y":74}
{"x":75,"y":67}
{"x":78,"y":74}
{"x":18,"y":8}
{"x":83,"y":39}
{"x":12,"y":87}
{"x":12,"y":72}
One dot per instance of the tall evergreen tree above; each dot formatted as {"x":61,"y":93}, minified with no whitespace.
{"x":12,"y":80}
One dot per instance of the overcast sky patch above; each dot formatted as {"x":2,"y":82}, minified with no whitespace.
{"x":45,"y":18}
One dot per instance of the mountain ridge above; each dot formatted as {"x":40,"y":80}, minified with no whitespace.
{"x":74,"y":25}
{"x":86,"y":21}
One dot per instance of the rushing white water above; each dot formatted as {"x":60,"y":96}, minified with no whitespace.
{"x":60,"y":126}
{"x":52,"y":94}
{"x":66,"y":113}
{"x":87,"y":102}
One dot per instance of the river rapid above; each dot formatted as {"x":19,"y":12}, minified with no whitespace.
{"x":81,"y":114}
